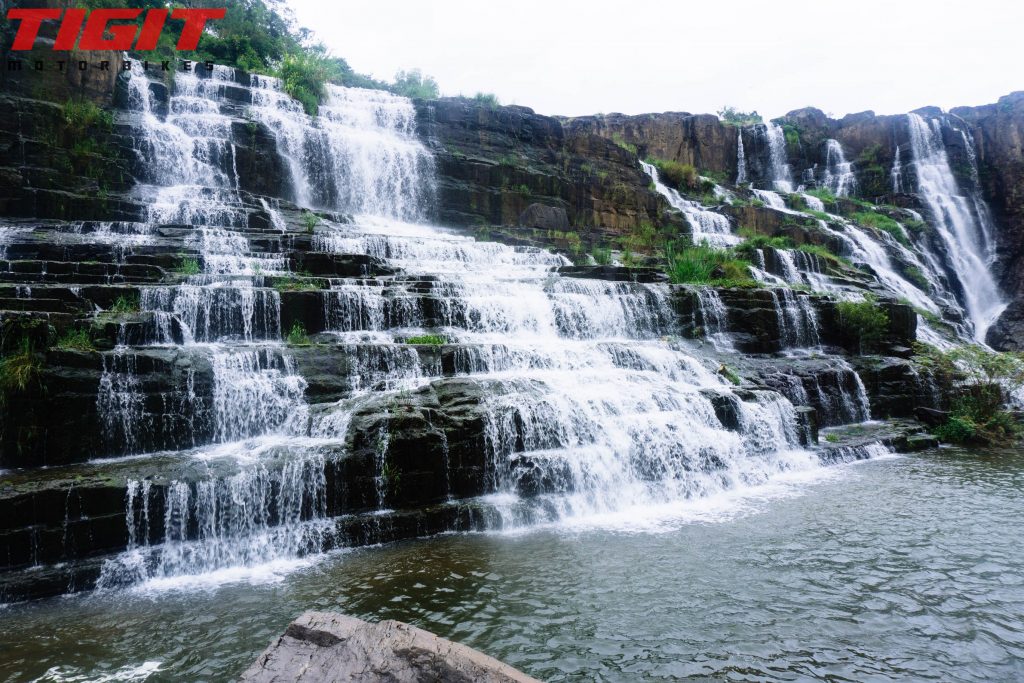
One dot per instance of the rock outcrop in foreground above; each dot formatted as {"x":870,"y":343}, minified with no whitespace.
{"x":323,"y":646}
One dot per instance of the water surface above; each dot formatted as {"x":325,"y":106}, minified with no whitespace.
{"x":896,"y":569}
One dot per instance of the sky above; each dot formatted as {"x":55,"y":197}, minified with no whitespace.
{"x":575,"y":58}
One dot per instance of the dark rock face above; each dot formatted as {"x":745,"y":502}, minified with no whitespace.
{"x":509,"y":166}
{"x":324,"y":646}
{"x":543,"y":217}
{"x":700,"y":140}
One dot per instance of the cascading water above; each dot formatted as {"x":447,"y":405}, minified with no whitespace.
{"x":589,"y":402}
{"x":838,"y":175}
{"x":781,"y":174}
{"x":741,"y":159}
{"x":896,"y":172}
{"x":961,"y":224}
{"x":708,"y":226}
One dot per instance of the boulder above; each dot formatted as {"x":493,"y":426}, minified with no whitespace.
{"x":325,"y":646}
{"x":544,"y":217}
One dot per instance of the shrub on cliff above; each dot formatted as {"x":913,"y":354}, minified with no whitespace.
{"x":863,"y":321}
{"x":983,"y":381}
{"x":683,"y":177}
{"x":733,"y":117}
{"x":305,"y":76}
{"x":414,"y":84}
{"x":881,"y":222}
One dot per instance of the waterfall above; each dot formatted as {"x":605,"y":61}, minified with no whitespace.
{"x":714,"y":318}
{"x":589,"y":400}
{"x":960,"y":222}
{"x":741,"y":159}
{"x":812,"y":202}
{"x":708,"y":226}
{"x":359,"y":155}
{"x":770,"y":198}
{"x":781,"y":175}
{"x":838,"y":174}
{"x":896,"y":173}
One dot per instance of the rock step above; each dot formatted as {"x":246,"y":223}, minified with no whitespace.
{"x":348,"y":531}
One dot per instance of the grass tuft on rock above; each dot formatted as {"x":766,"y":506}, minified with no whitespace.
{"x":297,"y":335}
{"x":704,"y":264}
{"x":76,"y":340}
{"x":427,"y":339}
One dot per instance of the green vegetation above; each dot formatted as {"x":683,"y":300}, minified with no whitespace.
{"x":621,"y":142}
{"x":732,"y":117}
{"x":869,"y":160}
{"x":429,"y":339}
{"x":125,"y":305}
{"x":644,"y":238}
{"x":18,"y":369}
{"x":792,"y":134}
{"x":730,"y":374}
{"x":754,"y":241}
{"x":294,"y":284}
{"x":189,"y":266}
{"x":683,"y":177}
{"x":914,"y":274}
{"x":984,"y":379}
{"x":720,"y":177}
{"x":488,"y":99}
{"x":78,"y":117}
{"x":414,"y":84}
{"x":880,"y":221}
{"x":81,"y":130}
{"x":863,"y":321}
{"x":391,"y":476}
{"x":261,"y":36}
{"x":297,"y":335}
{"x":310,"y":220}
{"x":832,"y":438}
{"x":305,"y":76}
{"x":820,"y":215}
{"x":824,"y":194}
{"x":702,"y":264}
{"x":915,"y":226}
{"x":602,"y":256}
{"x":76,"y":340}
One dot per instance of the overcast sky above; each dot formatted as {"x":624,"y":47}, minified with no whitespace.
{"x":573,"y":58}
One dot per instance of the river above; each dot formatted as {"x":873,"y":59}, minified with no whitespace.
{"x":900,"y":568}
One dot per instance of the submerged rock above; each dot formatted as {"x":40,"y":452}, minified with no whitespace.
{"x":322,"y":646}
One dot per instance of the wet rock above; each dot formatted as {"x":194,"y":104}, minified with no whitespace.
{"x":726,"y":405}
{"x":318,"y":263}
{"x":324,"y":646}
{"x":614,"y":273}
{"x":508,"y":166}
{"x":544,"y":217}
{"x":931,"y":416}
{"x":807,"y":425}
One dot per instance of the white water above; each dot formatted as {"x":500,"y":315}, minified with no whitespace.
{"x":896,"y":173}
{"x":741,"y":159}
{"x":838,"y":175}
{"x":961,"y":225}
{"x":588,"y":400}
{"x":708,"y":226}
{"x":781,"y":175}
